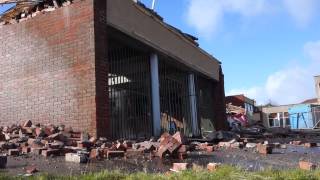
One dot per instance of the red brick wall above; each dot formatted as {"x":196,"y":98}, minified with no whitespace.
{"x":101,"y":67}
{"x":47,"y":69}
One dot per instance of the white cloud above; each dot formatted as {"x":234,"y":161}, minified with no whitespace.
{"x":312,"y":49}
{"x":290,"y":85}
{"x":207,"y":15}
{"x":302,"y":11}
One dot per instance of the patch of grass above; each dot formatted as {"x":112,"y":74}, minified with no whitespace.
{"x":225,"y":173}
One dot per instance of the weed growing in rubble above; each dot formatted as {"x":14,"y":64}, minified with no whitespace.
{"x":223,"y":173}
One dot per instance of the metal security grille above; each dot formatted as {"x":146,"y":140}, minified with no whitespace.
{"x":129,"y":93}
{"x":205,"y":104}
{"x":174,"y":99}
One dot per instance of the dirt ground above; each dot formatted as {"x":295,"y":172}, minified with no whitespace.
{"x":245,"y":158}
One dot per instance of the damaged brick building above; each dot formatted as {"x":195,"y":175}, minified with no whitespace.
{"x":111,"y":68}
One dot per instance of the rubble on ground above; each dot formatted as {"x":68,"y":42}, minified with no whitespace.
{"x":80,"y":147}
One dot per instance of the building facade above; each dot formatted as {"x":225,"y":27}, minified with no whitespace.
{"x":317,"y":86}
{"x":110,"y":68}
{"x":276,"y":116}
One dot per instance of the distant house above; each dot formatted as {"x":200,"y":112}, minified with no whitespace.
{"x":276,"y":116}
{"x":248,"y":105}
{"x":302,"y":115}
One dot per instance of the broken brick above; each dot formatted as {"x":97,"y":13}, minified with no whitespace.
{"x":264,"y":149}
{"x":50,"y":152}
{"x":76,"y":158}
{"x":57,"y":136}
{"x":213,"y":166}
{"x":95,"y":154}
{"x":177,"y":167}
{"x":168,"y":143}
{"x":31,"y":169}
{"x":179,"y":137}
{"x":26,"y":150}
{"x":304,"y":165}
{"x":310,"y":145}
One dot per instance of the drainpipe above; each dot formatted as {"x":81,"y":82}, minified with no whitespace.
{"x":155,"y":94}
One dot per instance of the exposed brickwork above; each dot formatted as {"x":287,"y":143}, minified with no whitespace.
{"x":47,"y":69}
{"x":101,"y":62}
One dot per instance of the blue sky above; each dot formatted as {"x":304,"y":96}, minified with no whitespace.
{"x":269,"y":49}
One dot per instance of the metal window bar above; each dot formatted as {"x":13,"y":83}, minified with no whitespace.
{"x":129,"y":93}
{"x":205,"y":103}
{"x":174,"y":99}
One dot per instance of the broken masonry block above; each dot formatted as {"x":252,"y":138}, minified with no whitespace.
{"x":26,"y":150}
{"x":31,"y":169}
{"x":57,"y":136}
{"x":264,"y":148}
{"x":95,"y":154}
{"x":304,"y":165}
{"x":177,"y":167}
{"x":76,"y":158}
{"x":310,"y":145}
{"x":50,"y":152}
{"x":213,"y":166}
{"x":180,"y":137}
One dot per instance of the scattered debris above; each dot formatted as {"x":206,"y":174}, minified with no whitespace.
{"x":264,"y":148}
{"x":31,"y":169}
{"x":213,"y":166}
{"x":27,"y":9}
{"x":177,"y":167}
{"x":305,"y":165}
{"x":76,"y":158}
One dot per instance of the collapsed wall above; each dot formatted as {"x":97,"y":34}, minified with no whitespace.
{"x":47,"y":69}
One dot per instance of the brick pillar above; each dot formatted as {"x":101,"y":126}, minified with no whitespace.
{"x":101,"y":68}
{"x":220,"y":120}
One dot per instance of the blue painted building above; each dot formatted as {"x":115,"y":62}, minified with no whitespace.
{"x":304,"y":116}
